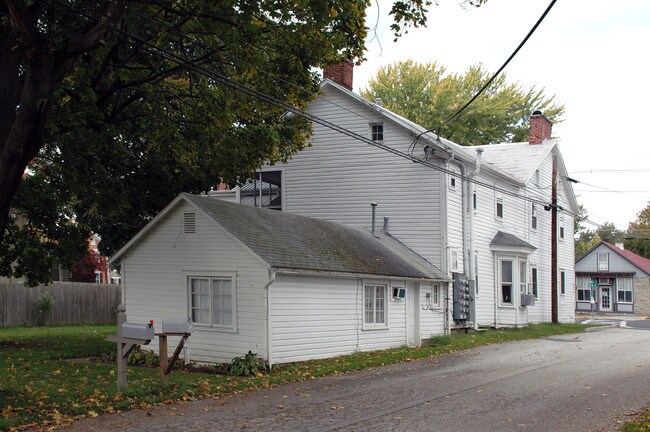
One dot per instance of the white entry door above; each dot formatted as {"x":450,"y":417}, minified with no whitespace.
{"x":605,"y":298}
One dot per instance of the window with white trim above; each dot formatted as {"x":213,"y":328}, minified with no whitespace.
{"x":452,"y":179}
{"x":454,"y":260}
{"x":603,"y":261}
{"x":375,"y":304}
{"x":536,"y":178}
{"x":435,"y":295}
{"x":533,"y":216}
{"x":212,"y":301}
{"x":377,"y":131}
{"x":523,"y":272}
{"x":583,"y":288}
{"x":474,"y":200}
{"x":499,"y":205}
{"x":561,"y":224}
{"x":506,"y":273}
{"x":562,"y":282}
{"x":624,"y":290}
{"x":533,"y":281}
{"x":475,"y":273}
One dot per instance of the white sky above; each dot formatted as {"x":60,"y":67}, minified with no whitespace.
{"x":594,"y":55}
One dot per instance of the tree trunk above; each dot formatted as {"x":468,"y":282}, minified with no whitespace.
{"x":24,"y":139}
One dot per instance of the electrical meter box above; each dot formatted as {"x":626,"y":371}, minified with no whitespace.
{"x":463,"y":298}
{"x":177,"y":326}
{"x":138,"y":331}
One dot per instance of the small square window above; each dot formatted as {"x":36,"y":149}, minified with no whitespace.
{"x":377,"y":132}
{"x":452,"y":182}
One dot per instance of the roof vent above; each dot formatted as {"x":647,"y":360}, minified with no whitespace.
{"x":189,"y":223}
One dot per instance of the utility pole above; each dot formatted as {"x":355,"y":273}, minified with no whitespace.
{"x":554,"y":312}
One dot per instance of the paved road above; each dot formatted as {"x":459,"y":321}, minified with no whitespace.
{"x":585,"y":382}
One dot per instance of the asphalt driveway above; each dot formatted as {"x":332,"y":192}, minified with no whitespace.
{"x":586,"y":382}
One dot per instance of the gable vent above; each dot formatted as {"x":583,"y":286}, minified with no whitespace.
{"x":189,"y":223}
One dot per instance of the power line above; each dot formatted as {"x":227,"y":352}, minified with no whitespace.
{"x":487,"y":84}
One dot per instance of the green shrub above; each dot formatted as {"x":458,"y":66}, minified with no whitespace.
{"x":248,"y":365}
{"x":44,"y":304}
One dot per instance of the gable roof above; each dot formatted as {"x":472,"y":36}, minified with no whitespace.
{"x":512,"y":162}
{"x":290,"y":242}
{"x":638,"y":261}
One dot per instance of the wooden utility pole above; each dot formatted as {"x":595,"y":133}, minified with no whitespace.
{"x":554,"y":312}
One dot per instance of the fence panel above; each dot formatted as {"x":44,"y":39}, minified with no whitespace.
{"x":74,"y":303}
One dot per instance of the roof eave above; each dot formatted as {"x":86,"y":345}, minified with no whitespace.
{"x":340,"y":274}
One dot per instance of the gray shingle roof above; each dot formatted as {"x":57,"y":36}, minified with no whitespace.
{"x":504,"y":239}
{"x":518,"y":159}
{"x":288,"y":241}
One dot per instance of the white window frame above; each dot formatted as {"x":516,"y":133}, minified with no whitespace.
{"x":536,"y":178}
{"x":523,"y":276}
{"x":583,"y":289}
{"x":454,"y":260}
{"x":533,"y":217}
{"x":452,"y":179}
{"x":376,"y":132}
{"x":498,"y":201}
{"x":475,"y":200}
{"x":374,"y":325}
{"x":534,"y":282}
{"x":562,"y":282}
{"x":629,"y":287}
{"x":511,"y":283}
{"x":605,"y":262}
{"x":210,"y":277}
{"x":476,"y":278}
{"x":561,"y":228}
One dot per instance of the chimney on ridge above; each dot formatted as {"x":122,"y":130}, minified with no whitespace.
{"x":340,"y":73}
{"x":540,"y":128}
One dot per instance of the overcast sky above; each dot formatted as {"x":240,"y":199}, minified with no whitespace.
{"x":593,"y":55}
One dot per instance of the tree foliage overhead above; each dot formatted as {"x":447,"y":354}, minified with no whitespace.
{"x":427,"y":95}
{"x":637,"y":238}
{"x":111,"y":130}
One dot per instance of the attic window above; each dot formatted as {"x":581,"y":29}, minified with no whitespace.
{"x":499,"y":205}
{"x":377,"y":132}
{"x":536,"y":178}
{"x":189,"y":223}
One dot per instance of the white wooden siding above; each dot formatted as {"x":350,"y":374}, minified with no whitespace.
{"x":156,"y":284}
{"x":338,"y":177}
{"x":315,"y":317}
{"x":432,"y":318}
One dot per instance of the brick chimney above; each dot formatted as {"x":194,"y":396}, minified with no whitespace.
{"x":540,"y":128}
{"x":340,"y":73}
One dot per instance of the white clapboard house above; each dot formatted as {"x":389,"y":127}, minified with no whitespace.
{"x":477,"y":213}
{"x":464,"y":241}
{"x":287,"y":287}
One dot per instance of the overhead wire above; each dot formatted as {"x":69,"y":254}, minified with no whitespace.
{"x":235,"y":85}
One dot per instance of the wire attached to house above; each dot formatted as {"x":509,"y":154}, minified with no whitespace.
{"x":487,"y":84}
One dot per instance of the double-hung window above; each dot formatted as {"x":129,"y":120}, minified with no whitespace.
{"x":561,"y":227}
{"x":533,"y":281}
{"x":499,"y":205}
{"x":562,"y":282}
{"x":506,"y":278}
{"x":212,"y":301}
{"x":583,"y":288}
{"x":533,"y":218}
{"x":603,"y":261}
{"x":375,"y":305}
{"x":523,"y":271}
{"x":624,"y":289}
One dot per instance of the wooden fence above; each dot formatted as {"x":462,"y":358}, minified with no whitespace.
{"x":74,"y":303}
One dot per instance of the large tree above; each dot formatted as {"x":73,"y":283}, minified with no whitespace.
{"x":103,"y":121}
{"x":637,"y":238}
{"x":427,"y":95}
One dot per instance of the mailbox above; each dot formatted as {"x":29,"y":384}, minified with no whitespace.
{"x":138,"y":331}
{"x":177,"y":326}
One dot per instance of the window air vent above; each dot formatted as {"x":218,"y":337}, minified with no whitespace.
{"x":189,"y":223}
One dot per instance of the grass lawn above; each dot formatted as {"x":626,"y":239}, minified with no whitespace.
{"x":41,"y":386}
{"x":640,"y":424}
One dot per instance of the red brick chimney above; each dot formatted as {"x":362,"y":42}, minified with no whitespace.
{"x":540,"y":128}
{"x":340,"y":73}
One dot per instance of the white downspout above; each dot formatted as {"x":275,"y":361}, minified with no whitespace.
{"x":444,"y":252}
{"x":470,"y":208}
{"x":268,"y":316}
